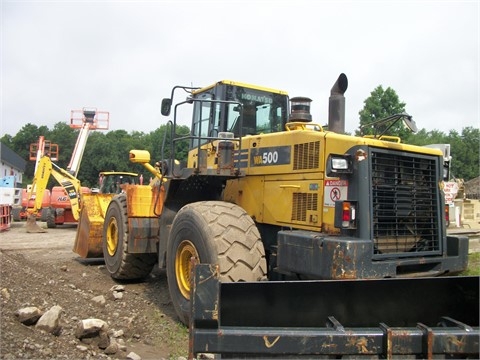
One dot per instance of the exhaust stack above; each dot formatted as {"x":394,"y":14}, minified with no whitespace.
{"x":336,"y":105}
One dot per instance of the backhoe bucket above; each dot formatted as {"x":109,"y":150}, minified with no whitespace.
{"x":31,"y":225}
{"x":88,"y":240}
{"x":421,"y":317}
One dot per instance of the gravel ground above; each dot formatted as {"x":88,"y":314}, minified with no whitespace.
{"x":41,"y":270}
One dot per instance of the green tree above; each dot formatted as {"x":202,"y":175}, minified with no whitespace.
{"x":465,"y":152}
{"x":464,"y":149}
{"x":20,"y":143}
{"x":424,"y":137}
{"x":7,"y":140}
{"x":65,"y":137}
{"x":378,"y":106}
{"x":159,"y":142}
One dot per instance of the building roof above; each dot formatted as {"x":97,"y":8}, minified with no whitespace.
{"x":10,"y":157}
{"x":472,"y":188}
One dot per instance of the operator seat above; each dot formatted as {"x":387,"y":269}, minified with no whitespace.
{"x":249,"y":124}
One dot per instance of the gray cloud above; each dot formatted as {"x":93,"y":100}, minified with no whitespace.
{"x":123,"y":57}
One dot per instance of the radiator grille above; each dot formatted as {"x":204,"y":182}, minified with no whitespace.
{"x":306,"y":155}
{"x":302,"y":202}
{"x":405,"y":205}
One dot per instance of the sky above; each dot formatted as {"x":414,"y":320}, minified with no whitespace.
{"x":123,"y":57}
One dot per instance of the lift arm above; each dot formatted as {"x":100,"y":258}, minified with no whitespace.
{"x":85,"y":120}
{"x":77,"y":155}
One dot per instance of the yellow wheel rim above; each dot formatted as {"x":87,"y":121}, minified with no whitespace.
{"x":112,"y":236}
{"x":183,"y":266}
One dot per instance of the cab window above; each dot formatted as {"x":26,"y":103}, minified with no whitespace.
{"x":263,"y":112}
{"x":201,"y":119}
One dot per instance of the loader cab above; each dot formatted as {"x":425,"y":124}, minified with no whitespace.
{"x":113,"y":182}
{"x":237,"y":108}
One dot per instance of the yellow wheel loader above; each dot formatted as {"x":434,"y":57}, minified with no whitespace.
{"x":282,"y":237}
{"x":88,"y":239}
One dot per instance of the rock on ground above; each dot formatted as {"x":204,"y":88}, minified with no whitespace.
{"x":42,"y":272}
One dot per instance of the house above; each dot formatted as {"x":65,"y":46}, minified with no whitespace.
{"x":12,"y":168}
{"x":11,"y":164}
{"x":472,"y":188}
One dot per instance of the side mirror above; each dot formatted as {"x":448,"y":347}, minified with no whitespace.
{"x":166,"y":106}
{"x":407,"y":120}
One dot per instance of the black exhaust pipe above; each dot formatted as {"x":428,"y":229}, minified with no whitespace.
{"x":336,"y":105}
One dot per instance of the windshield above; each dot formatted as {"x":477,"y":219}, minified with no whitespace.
{"x":220,"y":108}
{"x":263,"y":112}
{"x":114,"y":184}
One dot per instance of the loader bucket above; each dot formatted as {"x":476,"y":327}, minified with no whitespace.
{"x":386,"y":318}
{"x":31,"y":225}
{"x":88,"y":240}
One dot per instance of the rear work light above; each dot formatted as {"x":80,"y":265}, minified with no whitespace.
{"x":345,"y":214}
{"x":447,"y":215}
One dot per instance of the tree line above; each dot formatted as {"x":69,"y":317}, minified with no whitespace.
{"x":105,"y":151}
{"x":109,"y":151}
{"x":464,"y":146}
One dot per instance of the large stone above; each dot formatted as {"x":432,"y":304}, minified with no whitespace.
{"x":132,"y":356}
{"x":112,"y":348}
{"x":50,"y":321}
{"x":117,"y":288}
{"x":99,"y":300}
{"x":90,"y":328}
{"x":28,"y":315}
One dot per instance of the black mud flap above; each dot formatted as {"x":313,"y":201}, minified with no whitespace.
{"x":388,"y":318}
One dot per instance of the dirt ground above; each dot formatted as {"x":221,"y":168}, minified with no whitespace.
{"x":41,"y":270}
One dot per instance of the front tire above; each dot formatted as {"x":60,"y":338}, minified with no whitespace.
{"x":120,"y":264}
{"x":212,"y":232}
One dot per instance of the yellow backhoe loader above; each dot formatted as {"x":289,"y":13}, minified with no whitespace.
{"x":112,"y":182}
{"x":72,"y":187}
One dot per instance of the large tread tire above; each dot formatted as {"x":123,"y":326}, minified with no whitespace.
{"x":44,"y":214}
{"x":51,"y":224}
{"x":214,"y":232}
{"x":120,"y":264}
{"x":16,"y":213}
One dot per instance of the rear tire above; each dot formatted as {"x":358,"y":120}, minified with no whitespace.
{"x":213,"y":232}
{"x":44,"y":214}
{"x":16,"y":213}
{"x":50,"y":218}
{"x":120,"y":264}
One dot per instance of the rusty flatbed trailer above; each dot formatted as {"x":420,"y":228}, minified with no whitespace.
{"x":388,"y":318}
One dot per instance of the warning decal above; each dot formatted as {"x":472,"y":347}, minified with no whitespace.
{"x":334,"y":190}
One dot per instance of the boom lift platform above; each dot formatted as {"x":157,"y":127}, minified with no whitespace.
{"x":85,"y":120}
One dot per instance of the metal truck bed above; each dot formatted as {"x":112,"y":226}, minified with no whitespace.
{"x":388,"y":318}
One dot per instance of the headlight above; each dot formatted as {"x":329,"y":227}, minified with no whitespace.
{"x":339,"y":164}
